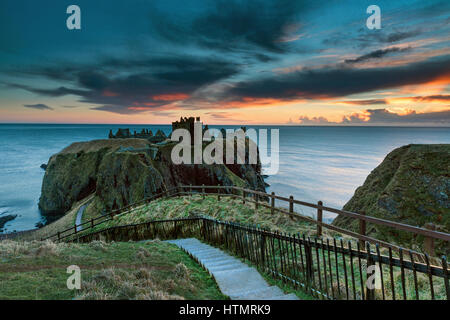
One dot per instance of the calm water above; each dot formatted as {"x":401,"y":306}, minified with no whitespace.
{"x":316,"y":163}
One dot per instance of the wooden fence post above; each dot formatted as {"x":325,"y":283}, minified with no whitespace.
{"x":190,"y":190}
{"x":59,"y":236}
{"x":218,"y":194}
{"x":256,"y":202}
{"x":243,"y":196}
{"x":75,"y":227}
{"x":291,"y":206}
{"x":319,"y":219}
{"x":92,"y":223}
{"x":272,"y":203}
{"x":428,"y":243}
{"x":362,"y":230}
{"x":203,"y":191}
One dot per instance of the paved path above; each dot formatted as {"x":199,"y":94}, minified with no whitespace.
{"x":80,"y":216}
{"x":235,"y":279}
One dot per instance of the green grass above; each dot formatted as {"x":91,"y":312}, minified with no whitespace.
{"x":227,"y":209}
{"x":127,"y":270}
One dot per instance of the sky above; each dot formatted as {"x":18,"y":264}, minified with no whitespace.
{"x":281,"y":62}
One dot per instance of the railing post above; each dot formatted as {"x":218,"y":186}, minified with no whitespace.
{"x":319,"y":219}
{"x":92,"y":223}
{"x":59,"y":236}
{"x":190,"y":190}
{"x":272,"y":203}
{"x":75,"y":227}
{"x":428,"y":243}
{"x":362,"y":230}
{"x":291,"y":206}
{"x":243,"y":196}
{"x":256,"y":202}
{"x":218,"y":194}
{"x":370,"y":292}
{"x":263,"y":250}
{"x":203,"y":191}
{"x":309,"y":264}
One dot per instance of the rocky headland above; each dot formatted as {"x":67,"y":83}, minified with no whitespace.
{"x":122,"y":171}
{"x":411,"y":186}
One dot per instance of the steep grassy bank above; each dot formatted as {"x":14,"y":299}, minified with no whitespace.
{"x":227,"y":209}
{"x":152,"y":270}
{"x":411,"y":186}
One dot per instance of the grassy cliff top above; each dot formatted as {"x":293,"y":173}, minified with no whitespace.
{"x":152,"y":270}
{"x":96,"y":145}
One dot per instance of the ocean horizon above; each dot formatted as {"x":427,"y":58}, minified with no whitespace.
{"x":324,"y":163}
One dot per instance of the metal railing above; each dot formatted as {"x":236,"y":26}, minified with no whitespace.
{"x":259,"y":198}
{"x":326,"y":269}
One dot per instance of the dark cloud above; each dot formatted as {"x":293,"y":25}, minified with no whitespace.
{"x":366,"y":38}
{"x":366,"y":102}
{"x":384,"y":116}
{"x":233,"y":24}
{"x":56,"y":92}
{"x":130,"y":86}
{"x":221,"y":115}
{"x":39,"y":106}
{"x":339,"y":81}
{"x":432,"y":98}
{"x":400,"y":35}
{"x":377,"y":54}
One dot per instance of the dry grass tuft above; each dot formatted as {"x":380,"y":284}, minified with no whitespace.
{"x":181,"y":271}
{"x":114,"y":284}
{"x":11,"y":248}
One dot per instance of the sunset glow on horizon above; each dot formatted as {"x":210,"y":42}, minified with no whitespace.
{"x":290,"y":63}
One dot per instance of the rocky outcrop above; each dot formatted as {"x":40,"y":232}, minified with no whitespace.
{"x":5,"y":219}
{"x":123,"y":171}
{"x":411,"y":186}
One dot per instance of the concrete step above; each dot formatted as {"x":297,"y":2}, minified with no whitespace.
{"x":234,"y":278}
{"x":259,"y":294}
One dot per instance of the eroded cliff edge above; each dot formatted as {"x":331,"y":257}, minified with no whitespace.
{"x":122,"y":171}
{"x":411,"y":186}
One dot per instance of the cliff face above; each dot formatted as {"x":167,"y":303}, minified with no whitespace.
{"x":122,"y":171}
{"x":412,"y":186}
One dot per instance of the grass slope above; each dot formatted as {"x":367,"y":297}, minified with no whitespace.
{"x":227,"y":209}
{"x":151,"y":270}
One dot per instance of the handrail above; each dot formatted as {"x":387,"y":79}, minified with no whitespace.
{"x":187,"y":190}
{"x":379,"y":221}
{"x":293,"y":259}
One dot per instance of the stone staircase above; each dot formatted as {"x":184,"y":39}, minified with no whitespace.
{"x":235,"y":279}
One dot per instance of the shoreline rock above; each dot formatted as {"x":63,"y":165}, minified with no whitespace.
{"x":5,"y":219}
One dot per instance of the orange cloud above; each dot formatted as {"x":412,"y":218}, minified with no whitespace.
{"x":171,"y":97}
{"x":108,"y":93}
{"x":139,"y":108}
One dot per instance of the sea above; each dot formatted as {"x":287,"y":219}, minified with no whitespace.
{"x":316,"y":162}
